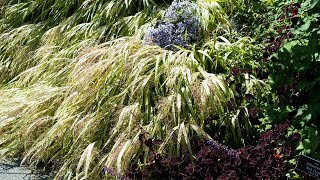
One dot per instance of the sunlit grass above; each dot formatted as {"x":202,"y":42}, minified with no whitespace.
{"x":79,"y":89}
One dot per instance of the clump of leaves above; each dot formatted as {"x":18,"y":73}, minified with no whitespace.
{"x":293,"y":54}
{"x":269,"y":159}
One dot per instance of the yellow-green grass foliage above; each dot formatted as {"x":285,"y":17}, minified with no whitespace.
{"x":78,"y":86}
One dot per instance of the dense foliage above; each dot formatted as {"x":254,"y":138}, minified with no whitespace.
{"x":269,"y":159}
{"x":183,"y":89}
{"x":295,"y":77}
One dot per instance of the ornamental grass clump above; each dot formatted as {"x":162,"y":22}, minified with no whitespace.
{"x":180,"y":27}
{"x":81,"y":93}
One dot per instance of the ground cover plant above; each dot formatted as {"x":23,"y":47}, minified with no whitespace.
{"x":267,"y":160}
{"x":149,"y":88}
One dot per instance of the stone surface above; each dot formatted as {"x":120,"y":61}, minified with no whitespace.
{"x":11,"y":170}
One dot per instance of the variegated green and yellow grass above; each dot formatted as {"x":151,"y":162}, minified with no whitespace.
{"x":78,"y":85}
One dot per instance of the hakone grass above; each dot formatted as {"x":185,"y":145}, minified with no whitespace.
{"x":79,"y":86}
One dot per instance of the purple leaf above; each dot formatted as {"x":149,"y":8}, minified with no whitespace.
{"x":149,"y":143}
{"x":249,"y":97}
{"x":296,"y":137}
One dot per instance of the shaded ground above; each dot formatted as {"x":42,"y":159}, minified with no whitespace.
{"x":11,"y":170}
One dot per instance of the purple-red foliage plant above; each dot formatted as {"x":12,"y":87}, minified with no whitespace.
{"x":269,"y":159}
